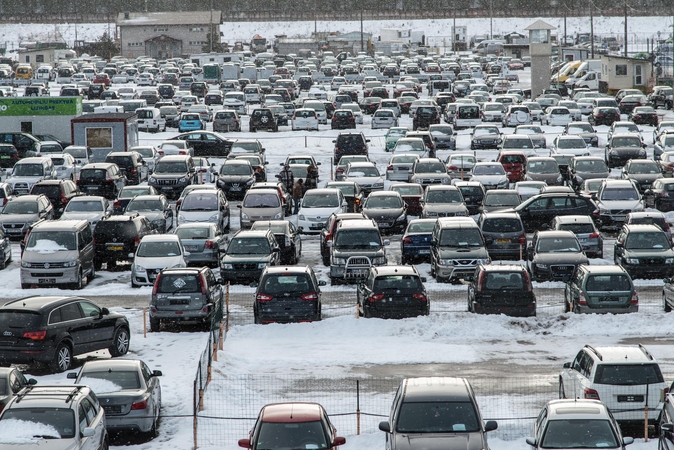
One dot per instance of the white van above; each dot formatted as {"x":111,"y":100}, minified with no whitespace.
{"x":467,"y":115}
{"x":108,"y":109}
{"x":590,"y":80}
{"x":150,"y":119}
{"x":44,"y":73}
{"x":590,"y":65}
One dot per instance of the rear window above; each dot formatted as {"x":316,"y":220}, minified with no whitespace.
{"x":512,"y":159}
{"x":49,"y":191}
{"x":616,"y":282}
{"x":93,"y":174}
{"x":397,"y":282}
{"x":175,"y":283}
{"x":628,"y":374}
{"x":501,"y":225}
{"x":659,"y":221}
{"x":121,"y":161}
{"x":577,"y":228}
{"x":504,"y":280}
{"x":286,"y":283}
{"x":19,"y":319}
{"x":115,"y":229}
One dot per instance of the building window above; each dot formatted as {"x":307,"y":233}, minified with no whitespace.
{"x":196,"y":29}
{"x":160,"y":29}
{"x":135,"y":44}
{"x":28,"y":58}
{"x":197,"y":42}
{"x":39,"y":58}
{"x":539,"y":36}
{"x":638,"y":78}
{"x":99,"y":137}
{"x":621,"y":70}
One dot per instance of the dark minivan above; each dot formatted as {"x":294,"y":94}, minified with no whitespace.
{"x":502,"y":289}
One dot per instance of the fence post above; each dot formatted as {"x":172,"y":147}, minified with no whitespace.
{"x":358,"y":407}
{"x":646,"y":413}
{"x":332,"y":168}
{"x":195,"y":422}
{"x":222,"y":338}
{"x":305,"y":142}
{"x":144,"y":321}
{"x":227,"y":306}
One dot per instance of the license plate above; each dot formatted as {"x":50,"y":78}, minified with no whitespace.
{"x":606,"y":299}
{"x":4,"y":157}
{"x":190,"y":248}
{"x":46,"y":280}
{"x":91,"y":188}
{"x":502,"y":241}
{"x":424,"y":252}
{"x":165,"y":188}
{"x":116,"y":247}
{"x":235,"y":189}
{"x":317,"y":225}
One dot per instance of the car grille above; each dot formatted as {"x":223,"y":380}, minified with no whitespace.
{"x":465,"y":262}
{"x":167,"y":181}
{"x":430,"y":180}
{"x":245,"y":266}
{"x":653,"y":261}
{"x":46,"y":274}
{"x":563,"y":270}
{"x":21,"y":188}
{"x":623,"y":212}
{"x":14,"y":226}
{"x":152,"y":274}
{"x":49,"y":265}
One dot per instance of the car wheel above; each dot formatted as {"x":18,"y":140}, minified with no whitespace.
{"x":666,"y":305}
{"x":326,"y":261}
{"x":561,"y":389}
{"x":155,"y":325}
{"x":63,"y":358}
{"x":25,"y":285}
{"x":92,"y":274}
{"x":134,"y":285}
{"x":257,"y":320}
{"x":120,"y":343}
{"x":78,"y":284}
{"x":3,"y":264}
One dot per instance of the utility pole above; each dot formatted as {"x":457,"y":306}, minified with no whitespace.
{"x":625,"y":7}
{"x":211,"y":25}
{"x":491,"y":19}
{"x":454,"y":32}
{"x":362,"y":45}
{"x":592,"y":28}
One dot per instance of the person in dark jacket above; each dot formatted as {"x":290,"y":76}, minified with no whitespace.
{"x":298,"y":192}
{"x":287,"y":177}
{"x":312,"y":177}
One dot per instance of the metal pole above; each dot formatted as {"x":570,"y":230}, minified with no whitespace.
{"x":646,"y":414}
{"x":211,"y":24}
{"x":491,"y":19}
{"x":625,"y":8}
{"x":362,"y":46}
{"x":592,"y":28}
{"x":358,"y":407}
{"x":454,"y":33}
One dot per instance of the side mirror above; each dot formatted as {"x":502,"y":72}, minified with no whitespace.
{"x":32,"y":381}
{"x":666,"y":280}
{"x":545,"y":226}
{"x":629,"y":440}
{"x":385,"y":426}
{"x":71,"y":375}
{"x":318,"y":164}
{"x":157,"y":373}
{"x":88,"y":432}
{"x":491,"y":425}
{"x":186,"y":254}
{"x":567,"y":365}
{"x":322,"y":283}
{"x":667,"y":427}
{"x":131,"y":255}
{"x":238,"y":206}
{"x":105,"y":311}
{"x":531,"y":441}
{"x":341,"y":441}
{"x":489,"y":241}
{"x":245,"y":443}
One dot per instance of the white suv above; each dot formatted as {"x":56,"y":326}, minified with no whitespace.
{"x":619,"y":376}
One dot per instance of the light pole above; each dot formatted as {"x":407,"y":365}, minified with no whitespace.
{"x":625,"y":8}
{"x":592,"y":28}
{"x":491,"y":19}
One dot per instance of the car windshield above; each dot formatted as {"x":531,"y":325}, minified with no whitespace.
{"x":27,"y":170}
{"x":383,"y":202}
{"x":20,"y":208}
{"x":648,"y":168}
{"x":291,"y":435}
{"x":421,"y":227}
{"x":498,"y":199}
{"x":199,"y":202}
{"x":113,"y":381}
{"x":503,"y":280}
{"x":437,"y":417}
{"x":483,"y":131}
{"x":591,"y":166}
{"x":170,"y":167}
{"x":578,"y":128}
{"x":286,"y":283}
{"x":358,"y":239}
{"x":620,"y":194}
{"x":558,"y":245}
{"x":646,"y":241}
{"x":430,"y":167}
{"x":408,"y":190}
{"x":249,"y":246}
{"x":236,"y":169}
{"x":461,"y":238}
{"x":201,"y":232}
{"x":155,"y":249}
{"x":493,"y":107}
{"x":144,"y":205}
{"x":403,"y":159}
{"x":320,"y":201}
{"x":579,"y":433}
{"x":626,"y":141}
{"x":408,"y":146}
{"x":488,"y":169}
{"x":132,"y":192}
{"x":614,"y":282}
{"x":548,"y":166}
{"x":513,"y":159}
{"x":37,"y":423}
{"x":512,"y":142}
{"x":257,"y":200}
{"x":571,"y":143}
{"x":462,"y":161}
{"x":628,"y":374}
{"x":367,"y":172}
{"x":502,"y":225}
{"x":51,"y":241}
{"x":444,"y":196}
{"x":85,"y":206}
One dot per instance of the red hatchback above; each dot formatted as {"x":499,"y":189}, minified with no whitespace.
{"x":513,"y":163}
{"x":292,"y":425}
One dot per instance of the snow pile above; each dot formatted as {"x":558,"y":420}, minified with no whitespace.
{"x":101,"y":386}
{"x":13,"y":431}
{"x":46,"y":246}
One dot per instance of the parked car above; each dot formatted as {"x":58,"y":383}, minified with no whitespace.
{"x":615,"y":199}
{"x":205,"y":206}
{"x":59,"y":193}
{"x":457,"y":246}
{"x":356,"y":246}
{"x":12,"y":381}
{"x":601,"y":289}
{"x":502,"y":289}
{"x":585,"y":230}
{"x":154,"y":254}
{"x":203,"y":241}
{"x":248,"y":254}
{"x":584,"y":130}
{"x":504,"y":235}
{"x":21,"y":212}
{"x":104,"y":179}
{"x":287,"y":294}
{"x":392,"y":292}
{"x":491,"y":175}
{"x":643,"y":172}
{"x":115,"y":237}
{"x":387,"y":209}
{"x":644,"y":251}
{"x":91,"y":208}
{"x":131,"y":165}
{"x":554,"y":255}
{"x":485,"y":137}
{"x":442,"y":201}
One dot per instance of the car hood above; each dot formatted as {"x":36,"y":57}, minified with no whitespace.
{"x":649,"y":253}
{"x":11,"y":180}
{"x":560,"y":258}
{"x":235,"y":178}
{"x":91,"y":216}
{"x":152,"y":215}
{"x":644,"y":177}
{"x":235,"y":259}
{"x":375,"y":213}
{"x":320,"y":212}
{"x":160,"y":262}
{"x":487,"y":137}
{"x":196,"y":216}
{"x":17,"y":218}
{"x":591,"y":175}
{"x":463,"y":253}
{"x":464,"y":441}
{"x":489,"y":179}
{"x":445,"y":207}
{"x":620,"y":204}
{"x":547,"y":177}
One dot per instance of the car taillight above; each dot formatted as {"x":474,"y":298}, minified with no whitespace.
{"x":452,"y":168}
{"x":35,"y":335}
{"x":581,"y":299}
{"x":594,"y":235}
{"x":374,"y":297}
{"x":364,"y":149}
{"x":407,"y":240}
{"x":155,"y":287}
{"x":160,"y":152}
{"x":635,"y":298}
{"x":340,"y":169}
{"x":263,"y":298}
{"x":591,"y":394}
{"x":480,"y":282}
{"x":309,"y":297}
{"x":420,"y":297}
{"x":527,"y":281}
{"x":208,"y":244}
{"x":287,"y":241}
{"x":390,"y":167}
{"x":182,"y":152}
{"x":204,"y":286}
{"x":139,"y":405}
{"x":664,"y":194}
{"x":117,"y":204}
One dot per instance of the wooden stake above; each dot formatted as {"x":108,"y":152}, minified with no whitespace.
{"x":144,"y":322}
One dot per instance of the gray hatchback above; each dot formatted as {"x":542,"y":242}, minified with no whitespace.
{"x":504,"y":235}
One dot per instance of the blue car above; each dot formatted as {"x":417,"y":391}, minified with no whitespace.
{"x":190,"y":122}
{"x":416,"y":242}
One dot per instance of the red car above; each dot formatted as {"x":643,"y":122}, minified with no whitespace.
{"x":292,"y":425}
{"x":102,"y":78}
{"x":513,"y":163}
{"x":515,"y":64}
{"x":411,"y":194}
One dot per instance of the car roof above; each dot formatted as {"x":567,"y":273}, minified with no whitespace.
{"x":102,"y":165}
{"x":555,"y":234}
{"x":45,"y":396}
{"x":38,"y":302}
{"x":291,"y":412}
{"x":288,"y":269}
{"x":395,"y":270}
{"x":500,"y":214}
{"x":251,"y":233}
{"x":648,"y":228}
{"x":574,"y":219}
{"x":581,"y":409}
{"x":503,"y":267}
{"x":604,"y":269}
{"x":358,"y":223}
{"x":625,"y":354}
{"x":618,"y":183}
{"x":435,"y":389}
{"x":111,"y":365}
{"x":160,"y":238}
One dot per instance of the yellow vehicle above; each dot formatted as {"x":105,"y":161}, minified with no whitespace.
{"x":566,"y":70}
{"x":24,"y":72}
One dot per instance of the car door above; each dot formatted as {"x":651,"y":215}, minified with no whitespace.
{"x":153,"y":387}
{"x":168,"y":213}
{"x":102,"y":329}
{"x":78,"y":327}
{"x":85,"y":245}
{"x":95,"y":418}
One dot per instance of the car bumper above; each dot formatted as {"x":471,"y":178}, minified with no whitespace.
{"x":412,"y":251}
{"x":549,"y":274}
{"x":136,"y":420}
{"x":26,"y":355}
{"x":49,"y":277}
{"x":453,"y":272}
{"x":609,"y":310}
{"x":515,"y":311}
{"x":234,"y":276}
{"x":649,"y":272}
{"x":396,"y":311}
{"x":206,"y":256}
{"x":279,"y":313}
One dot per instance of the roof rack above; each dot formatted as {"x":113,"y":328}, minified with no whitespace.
{"x":28,"y":389}
{"x":646,"y":352}
{"x":593,"y":350}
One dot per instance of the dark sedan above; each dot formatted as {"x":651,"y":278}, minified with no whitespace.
{"x":629,"y":102}
{"x":288,"y":294}
{"x":415,"y":244}
{"x":644,"y":115}
{"x":387,"y":209}
{"x":411,"y":194}
{"x":287,"y":236}
{"x":604,"y":115}
{"x":661,"y":194}
{"x":554,"y":255}
{"x":206,"y":143}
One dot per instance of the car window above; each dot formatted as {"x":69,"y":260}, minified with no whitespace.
{"x":89,"y":410}
{"x":90,"y":310}
{"x":70,"y":312}
{"x":82,"y":416}
{"x":437,"y":417}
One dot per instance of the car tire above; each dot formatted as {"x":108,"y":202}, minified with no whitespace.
{"x":155,"y":325}
{"x":92,"y":274}
{"x":63,"y":358}
{"x":77,"y":285}
{"x":326,"y":261}
{"x":562,"y":394}
{"x":3,"y":263}
{"x":665,"y":305}
{"x":256,"y":320}
{"x":25,"y":285}
{"x":333,"y":281}
{"x":120,"y":342}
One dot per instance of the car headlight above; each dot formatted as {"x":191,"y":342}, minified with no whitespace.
{"x":339,"y":261}
{"x":669,"y":260}
{"x":613,"y":153}
{"x":301,"y":217}
{"x":484,"y":261}
{"x":227,"y":266}
{"x":182,"y":180}
{"x":503,"y":183}
{"x":181,"y":217}
{"x":401,"y":218}
{"x":278,"y":216}
{"x":634,"y":260}
{"x":379,"y":260}
{"x":377,"y":185}
{"x":642,"y":152}
{"x":71,"y":263}
{"x":250,"y":181}
{"x":445,"y":181}
{"x":25,"y":264}
{"x":446,"y":262}
{"x":541,"y":266}
{"x":139,"y":268}
{"x":639,"y":207}
{"x":461,"y":213}
{"x":261,"y":265}
{"x":244,"y":216}
{"x":214,"y":218}
{"x":152,"y":180}
{"x":178,"y":266}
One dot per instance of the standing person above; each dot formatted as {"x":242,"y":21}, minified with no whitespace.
{"x":312,"y":177}
{"x":287,"y":178}
{"x":298,"y":192}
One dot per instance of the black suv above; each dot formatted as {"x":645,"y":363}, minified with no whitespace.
{"x":186,"y":295}
{"x":425,"y":116}
{"x":287,"y":294}
{"x":95,"y":90}
{"x":539,"y":210}
{"x":263,"y":118}
{"x":53,"y":329}
{"x":501,"y":289}
{"x":350,"y":144}
{"x":130,"y":164}
{"x":118,"y":236}
{"x":644,"y":251}
{"x":25,"y":143}
{"x":555,"y":255}
{"x":393,"y":292}
{"x":59,"y":193}
{"x":171,"y":175}
{"x":101,"y":179}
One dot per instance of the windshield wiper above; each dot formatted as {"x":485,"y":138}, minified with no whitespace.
{"x":46,"y":436}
